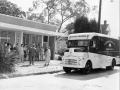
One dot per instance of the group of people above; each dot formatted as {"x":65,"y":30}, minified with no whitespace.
{"x":31,"y":53}
{"x":8,"y":48}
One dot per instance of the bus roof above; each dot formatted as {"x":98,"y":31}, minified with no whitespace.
{"x":87,"y":36}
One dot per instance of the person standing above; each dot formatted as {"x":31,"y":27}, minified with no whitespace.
{"x":29,"y":49}
{"x":32,"y":54}
{"x":47,"y":56}
{"x":25,"y":52}
{"x":21,"y":53}
{"x":7,"y":49}
{"x":17,"y":49}
{"x":41,"y":53}
{"x":38,"y":52}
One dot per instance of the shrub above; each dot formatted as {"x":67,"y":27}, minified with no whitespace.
{"x":61,"y":52}
{"x":59,"y":57}
{"x":7,"y":63}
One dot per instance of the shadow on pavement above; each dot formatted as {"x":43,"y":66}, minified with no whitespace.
{"x":41,"y":67}
{"x":25,"y":66}
{"x":96,"y":73}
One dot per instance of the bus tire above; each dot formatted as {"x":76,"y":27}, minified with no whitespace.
{"x":112,"y":65}
{"x":88,"y":68}
{"x":67,"y":70}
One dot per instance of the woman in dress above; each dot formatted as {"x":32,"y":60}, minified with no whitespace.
{"x":25,"y":52}
{"x":41,"y":53}
{"x":21,"y":53}
{"x":47,"y":56}
{"x":38,"y":52}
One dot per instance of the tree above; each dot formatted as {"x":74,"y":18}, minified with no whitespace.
{"x":59,"y":11}
{"x":49,"y":8}
{"x":93,"y":26}
{"x":69,"y":9}
{"x":70,"y":28}
{"x":11,"y":9}
{"x":83,"y":24}
{"x":36,"y":17}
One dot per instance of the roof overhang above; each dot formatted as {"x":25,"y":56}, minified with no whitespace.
{"x":29,"y":26}
{"x":12,"y":27}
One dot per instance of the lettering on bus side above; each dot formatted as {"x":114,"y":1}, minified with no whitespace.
{"x":105,"y":46}
{"x":71,"y":37}
{"x":109,"y":46}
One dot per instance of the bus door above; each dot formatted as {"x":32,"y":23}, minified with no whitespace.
{"x":104,"y":58}
{"x":94,"y":47}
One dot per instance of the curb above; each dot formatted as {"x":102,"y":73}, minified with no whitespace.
{"x":21,"y":75}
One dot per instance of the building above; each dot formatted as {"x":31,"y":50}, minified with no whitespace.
{"x":105,"y":28}
{"x":29,"y":32}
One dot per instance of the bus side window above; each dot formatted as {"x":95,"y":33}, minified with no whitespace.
{"x":93,"y":44}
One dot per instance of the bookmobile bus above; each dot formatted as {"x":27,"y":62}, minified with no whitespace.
{"x":87,"y":51}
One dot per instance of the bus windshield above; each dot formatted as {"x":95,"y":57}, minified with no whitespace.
{"x":77,"y":43}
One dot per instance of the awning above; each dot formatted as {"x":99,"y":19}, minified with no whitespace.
{"x":30,"y":30}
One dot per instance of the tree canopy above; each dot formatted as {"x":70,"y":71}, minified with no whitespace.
{"x":70,"y":28}
{"x":83,"y":24}
{"x":11,"y":9}
{"x":59,"y":11}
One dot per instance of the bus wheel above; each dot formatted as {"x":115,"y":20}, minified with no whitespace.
{"x":88,"y":68}
{"x":67,"y":70}
{"x":112,"y":65}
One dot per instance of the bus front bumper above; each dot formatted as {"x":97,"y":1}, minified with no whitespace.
{"x":72,"y":65}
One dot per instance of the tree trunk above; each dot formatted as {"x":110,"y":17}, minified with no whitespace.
{"x":60,"y":27}
{"x":48,"y":17}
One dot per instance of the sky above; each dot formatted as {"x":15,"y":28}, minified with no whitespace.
{"x":110,"y":12}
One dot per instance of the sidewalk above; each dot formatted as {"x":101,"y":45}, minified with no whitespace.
{"x":24,"y":69}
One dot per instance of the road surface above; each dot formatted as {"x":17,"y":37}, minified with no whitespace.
{"x":99,"y":79}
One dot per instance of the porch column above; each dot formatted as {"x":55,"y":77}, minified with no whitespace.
{"x":40,"y":41}
{"x":52,"y":46}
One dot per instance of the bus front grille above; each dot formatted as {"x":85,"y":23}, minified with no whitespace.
{"x":71,"y":62}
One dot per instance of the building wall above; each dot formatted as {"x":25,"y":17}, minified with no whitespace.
{"x":32,"y":39}
{"x":52,"y":46}
{"x":18,"y":37}
{"x":3,"y":34}
{"x":10,"y":34}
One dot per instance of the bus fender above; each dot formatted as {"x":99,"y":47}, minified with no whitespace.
{"x":88,"y":60}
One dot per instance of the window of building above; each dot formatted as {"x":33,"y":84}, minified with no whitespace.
{"x":45,"y":39}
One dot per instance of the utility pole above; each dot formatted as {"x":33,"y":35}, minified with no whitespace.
{"x":99,"y":16}
{"x":119,"y":47}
